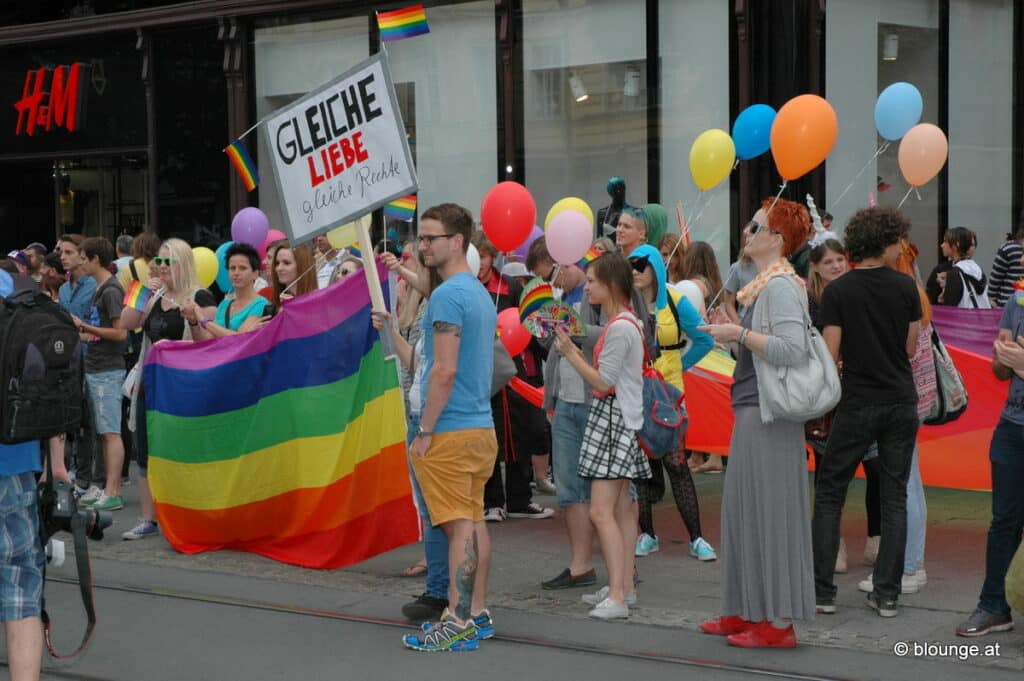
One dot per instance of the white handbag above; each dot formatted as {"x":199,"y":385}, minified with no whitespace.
{"x":804,"y":392}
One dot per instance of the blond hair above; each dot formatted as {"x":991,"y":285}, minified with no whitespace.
{"x":184,"y":280}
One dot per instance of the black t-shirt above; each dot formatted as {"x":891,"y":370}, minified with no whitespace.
{"x":874,"y":307}
{"x":164,"y":324}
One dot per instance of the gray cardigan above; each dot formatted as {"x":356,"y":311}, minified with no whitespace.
{"x":780,"y":312}
{"x":594,"y":325}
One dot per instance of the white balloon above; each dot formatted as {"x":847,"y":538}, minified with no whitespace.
{"x":473,"y":258}
{"x":693,"y":294}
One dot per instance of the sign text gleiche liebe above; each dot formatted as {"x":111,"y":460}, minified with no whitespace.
{"x":339,"y":152}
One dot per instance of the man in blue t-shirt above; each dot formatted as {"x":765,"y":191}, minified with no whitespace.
{"x":454,"y":451}
{"x":1006,"y":454}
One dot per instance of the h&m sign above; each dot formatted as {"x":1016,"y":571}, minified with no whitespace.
{"x":53,"y":98}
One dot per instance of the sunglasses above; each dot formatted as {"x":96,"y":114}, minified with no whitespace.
{"x":640,"y":264}
{"x":160,"y":260}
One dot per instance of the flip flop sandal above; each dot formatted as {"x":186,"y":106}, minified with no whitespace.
{"x":417,"y":570}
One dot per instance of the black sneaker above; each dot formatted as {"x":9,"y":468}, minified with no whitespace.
{"x":982,"y":622}
{"x":425,"y":607}
{"x":533,"y":512}
{"x":566,"y":580}
{"x":886,"y":607}
{"x":825,"y":606}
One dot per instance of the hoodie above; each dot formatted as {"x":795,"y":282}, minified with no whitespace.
{"x":656,"y":219}
{"x":966,"y":272}
{"x":672,"y":363}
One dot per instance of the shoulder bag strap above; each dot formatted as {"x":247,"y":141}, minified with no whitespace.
{"x":968,"y":287}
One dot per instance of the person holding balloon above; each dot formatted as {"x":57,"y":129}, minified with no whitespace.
{"x":680,"y":345}
{"x":245,"y":311}
{"x":175,"y":285}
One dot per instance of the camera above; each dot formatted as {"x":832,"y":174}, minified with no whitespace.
{"x":58,"y":509}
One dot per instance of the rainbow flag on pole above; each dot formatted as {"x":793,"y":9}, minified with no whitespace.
{"x":243,"y":163}
{"x":402,"y":23}
{"x":137,"y":296}
{"x":401,"y":209}
{"x":288,"y":442}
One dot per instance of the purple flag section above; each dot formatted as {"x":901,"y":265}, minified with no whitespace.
{"x":968,"y":329}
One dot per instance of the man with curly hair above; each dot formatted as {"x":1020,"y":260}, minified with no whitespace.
{"x":871,"y":317}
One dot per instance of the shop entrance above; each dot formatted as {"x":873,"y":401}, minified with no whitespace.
{"x":101,"y":196}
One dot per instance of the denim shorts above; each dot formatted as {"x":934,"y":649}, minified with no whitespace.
{"x":104,"y":388}
{"x":21,"y":552}
{"x":566,"y":440}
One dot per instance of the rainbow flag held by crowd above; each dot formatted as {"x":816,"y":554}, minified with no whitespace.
{"x":402,"y":23}
{"x":592,"y":254}
{"x":288,"y":442}
{"x":401,"y":209}
{"x":243,"y":164}
{"x":137,"y":296}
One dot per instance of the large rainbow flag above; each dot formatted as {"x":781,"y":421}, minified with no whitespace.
{"x":288,"y":442}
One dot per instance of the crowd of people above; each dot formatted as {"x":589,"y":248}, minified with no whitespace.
{"x":479,"y":451}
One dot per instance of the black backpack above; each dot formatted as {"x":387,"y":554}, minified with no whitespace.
{"x":40,"y":369}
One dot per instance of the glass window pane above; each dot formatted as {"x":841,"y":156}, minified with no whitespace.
{"x":585,"y":99}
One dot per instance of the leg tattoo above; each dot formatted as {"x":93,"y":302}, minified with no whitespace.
{"x":466,"y":577}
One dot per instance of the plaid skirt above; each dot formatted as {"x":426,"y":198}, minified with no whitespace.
{"x":610,"y":450}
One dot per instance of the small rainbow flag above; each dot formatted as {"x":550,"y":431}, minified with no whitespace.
{"x":402,"y":23}
{"x":137,"y":296}
{"x":242,"y":161}
{"x":592,"y":254}
{"x":401,"y":209}
{"x":534,"y":298}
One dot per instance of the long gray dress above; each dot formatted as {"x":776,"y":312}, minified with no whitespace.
{"x":768,"y":569}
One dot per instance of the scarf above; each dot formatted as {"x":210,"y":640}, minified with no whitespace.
{"x":749,"y":293}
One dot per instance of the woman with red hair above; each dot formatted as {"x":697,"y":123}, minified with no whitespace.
{"x":766,"y":553}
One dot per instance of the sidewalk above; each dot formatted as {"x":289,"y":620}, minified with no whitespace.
{"x":677,"y":590}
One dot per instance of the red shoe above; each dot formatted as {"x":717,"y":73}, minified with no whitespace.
{"x":726,"y":625}
{"x":764,"y":635}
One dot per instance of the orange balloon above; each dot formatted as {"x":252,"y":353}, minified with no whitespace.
{"x":923,"y":152}
{"x":803,"y":134}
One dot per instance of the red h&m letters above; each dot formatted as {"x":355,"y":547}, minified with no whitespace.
{"x":60,"y":105}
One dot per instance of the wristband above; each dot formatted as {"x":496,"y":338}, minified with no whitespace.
{"x":743,"y":336}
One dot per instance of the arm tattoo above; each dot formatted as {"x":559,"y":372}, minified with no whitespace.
{"x":466,"y":579}
{"x":448,"y":327}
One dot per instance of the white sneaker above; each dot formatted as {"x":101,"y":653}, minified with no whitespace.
{"x":910,"y":584}
{"x":495,"y":515}
{"x":545,"y":486}
{"x":610,"y":610}
{"x":91,"y":496}
{"x":602,"y":593}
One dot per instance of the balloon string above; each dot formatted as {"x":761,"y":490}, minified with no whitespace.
{"x":878,"y":152}
{"x":905,"y":197}
{"x":497,"y":293}
{"x":298,"y":278}
{"x":782,"y":188}
{"x":700,"y":214}
{"x":736,"y":164}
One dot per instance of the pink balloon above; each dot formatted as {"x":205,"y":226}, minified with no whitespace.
{"x":923,"y":152}
{"x":568,"y":237}
{"x":272,"y":236}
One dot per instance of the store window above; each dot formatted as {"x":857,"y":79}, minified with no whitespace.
{"x":291,"y":60}
{"x":585,"y":99}
{"x":694,"y":98}
{"x":447,"y":91}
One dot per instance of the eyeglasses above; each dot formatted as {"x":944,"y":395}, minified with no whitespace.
{"x":160,"y":260}
{"x":429,"y":239}
{"x":640,"y":263}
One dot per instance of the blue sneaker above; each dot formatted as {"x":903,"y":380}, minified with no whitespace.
{"x":701,"y":550}
{"x":446,"y":635}
{"x":646,"y":545}
{"x":484,"y":625}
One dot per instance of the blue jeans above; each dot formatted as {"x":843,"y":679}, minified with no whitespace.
{"x":856,"y":426}
{"x":1007,"y":456}
{"x":435,"y":541}
{"x":917,"y":519}
{"x":566,"y":440}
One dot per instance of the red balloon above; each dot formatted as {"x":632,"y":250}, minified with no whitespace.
{"x":511,"y":331}
{"x":508,"y":215}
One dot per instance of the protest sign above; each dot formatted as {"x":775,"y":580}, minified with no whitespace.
{"x":339,"y":152}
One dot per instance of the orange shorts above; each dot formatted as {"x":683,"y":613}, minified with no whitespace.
{"x":453,"y":473}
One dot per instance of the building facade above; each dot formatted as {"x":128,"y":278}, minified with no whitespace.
{"x":557,"y":94}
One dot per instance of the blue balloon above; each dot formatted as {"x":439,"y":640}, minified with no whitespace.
{"x":897,"y":110}
{"x":223,"y":278}
{"x":751,"y":133}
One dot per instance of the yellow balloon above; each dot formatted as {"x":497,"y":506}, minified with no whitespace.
{"x":711,"y":158}
{"x":346,"y":235}
{"x":124,"y":275}
{"x":207,"y":265}
{"x":569,"y":203}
